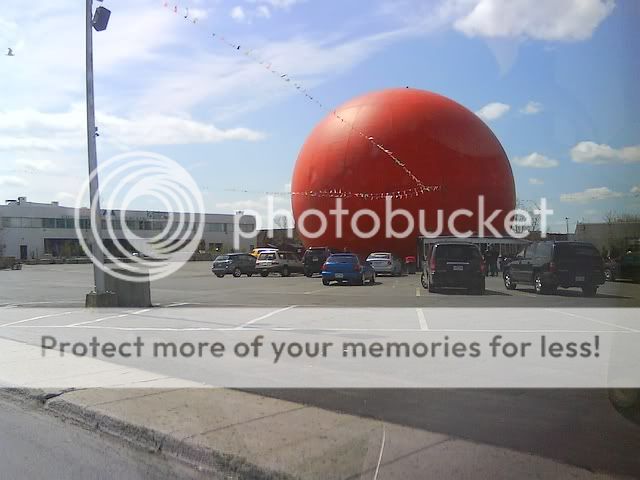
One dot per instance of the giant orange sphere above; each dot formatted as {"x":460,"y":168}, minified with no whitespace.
{"x":440,"y":143}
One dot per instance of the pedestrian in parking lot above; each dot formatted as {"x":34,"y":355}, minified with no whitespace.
{"x":494,"y":261}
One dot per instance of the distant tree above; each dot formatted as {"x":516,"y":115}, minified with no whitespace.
{"x":281,"y":221}
{"x":529,"y":206}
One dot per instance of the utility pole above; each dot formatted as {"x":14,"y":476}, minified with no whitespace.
{"x":566,"y":219}
{"x":94,"y":189}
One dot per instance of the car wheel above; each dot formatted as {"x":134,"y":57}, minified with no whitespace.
{"x":589,"y":290}
{"x":362,"y":279}
{"x":264,"y":274}
{"x":608,"y":276}
{"x":325,"y":282}
{"x":219,"y":275}
{"x":249,"y":274}
{"x":372,"y":281}
{"x":285,"y":271}
{"x":237,"y":272}
{"x":423,"y":281}
{"x":307,"y":273}
{"x":508,"y":281}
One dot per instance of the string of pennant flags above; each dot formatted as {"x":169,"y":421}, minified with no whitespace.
{"x":419,"y":188}
{"x":338,"y":193}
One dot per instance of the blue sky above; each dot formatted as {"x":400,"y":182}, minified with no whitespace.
{"x":554,"y":79}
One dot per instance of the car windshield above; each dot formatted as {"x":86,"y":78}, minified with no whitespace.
{"x":461,"y":253}
{"x":222,"y":257}
{"x":576,"y":251}
{"x":380,"y":255}
{"x":267,"y":256}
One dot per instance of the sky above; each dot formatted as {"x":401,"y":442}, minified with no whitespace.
{"x":556,"y":81}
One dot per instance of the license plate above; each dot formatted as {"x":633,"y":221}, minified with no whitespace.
{"x":458,"y":268}
{"x":579,"y":278}
{"x":339,"y":275}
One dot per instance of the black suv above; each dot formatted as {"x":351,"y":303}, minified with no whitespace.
{"x":454,"y":265}
{"x":314,"y":258}
{"x":234,"y":263}
{"x":548,"y":265}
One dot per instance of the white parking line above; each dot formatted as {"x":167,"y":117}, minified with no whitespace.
{"x":314,"y":330}
{"x":602,"y":322}
{"x":275,"y":312}
{"x":421,"y":320}
{"x":315,"y":291}
{"x":35,"y":318}
{"x":122,"y":315}
{"x":417,"y":292}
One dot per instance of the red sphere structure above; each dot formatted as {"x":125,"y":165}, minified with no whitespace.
{"x":439,"y":141}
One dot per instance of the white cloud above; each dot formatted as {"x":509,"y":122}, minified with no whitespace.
{"x":237,"y":13}
{"x":635,"y":189}
{"x":493,"y":111}
{"x":535,"y":160}
{"x":282,"y":4}
{"x":242,"y":86}
{"x":565,"y":20}
{"x":34,"y":165}
{"x":599,"y":193}
{"x":531,"y":108}
{"x":536,"y":181}
{"x":36,"y":130}
{"x":599,"y":154}
{"x":12,"y":181}
{"x":263,"y":11}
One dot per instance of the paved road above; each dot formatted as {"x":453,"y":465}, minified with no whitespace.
{"x":37,"y":446}
{"x":577,"y":427}
{"x":66,"y":285}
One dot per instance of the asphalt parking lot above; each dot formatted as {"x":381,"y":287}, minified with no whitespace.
{"x":575,"y":426}
{"x":195,"y":285}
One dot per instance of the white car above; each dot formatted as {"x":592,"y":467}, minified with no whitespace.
{"x":284,"y":263}
{"x":385,"y":263}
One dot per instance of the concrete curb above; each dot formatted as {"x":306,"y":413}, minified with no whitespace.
{"x":195,"y":456}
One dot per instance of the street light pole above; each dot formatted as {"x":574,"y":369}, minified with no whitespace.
{"x":94,"y":195}
{"x":566,"y":219}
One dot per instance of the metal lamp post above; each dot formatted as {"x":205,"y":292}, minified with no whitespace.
{"x":99,"y":23}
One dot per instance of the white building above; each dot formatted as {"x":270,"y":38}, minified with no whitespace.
{"x":30,"y":230}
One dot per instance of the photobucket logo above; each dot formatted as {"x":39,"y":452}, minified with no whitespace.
{"x":136,"y":246}
{"x":498,"y":223}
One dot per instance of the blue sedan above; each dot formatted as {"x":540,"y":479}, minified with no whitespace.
{"x":347,"y":267}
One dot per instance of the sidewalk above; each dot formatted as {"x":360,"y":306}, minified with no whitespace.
{"x":239,"y":435}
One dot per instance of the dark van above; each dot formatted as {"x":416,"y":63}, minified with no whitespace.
{"x":234,"y":263}
{"x":548,"y":265}
{"x":314,"y":258}
{"x":454,"y":265}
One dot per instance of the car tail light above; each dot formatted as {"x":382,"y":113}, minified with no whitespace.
{"x":552,"y":267}
{"x":432,"y":264}
{"x":324,"y":266}
{"x":357,"y":267}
